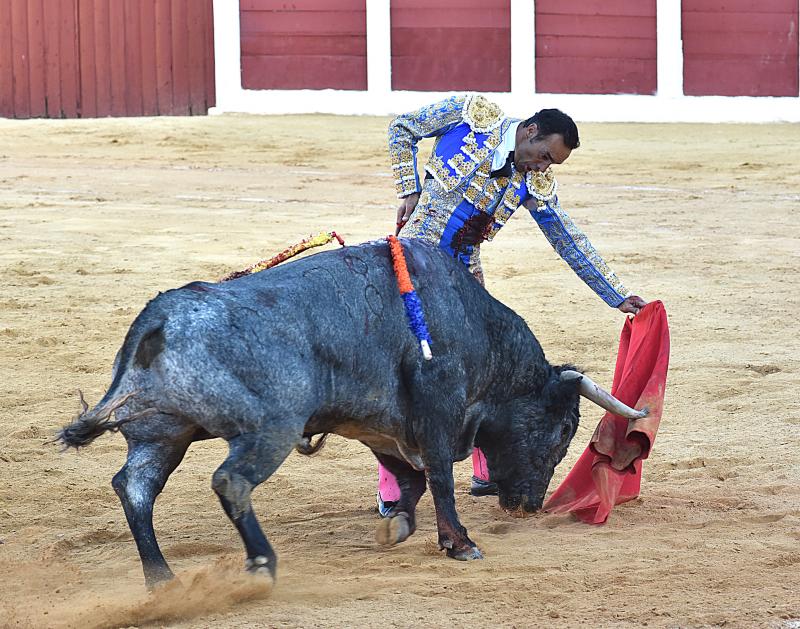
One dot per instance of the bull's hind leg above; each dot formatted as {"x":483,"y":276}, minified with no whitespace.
{"x":401,"y":521}
{"x":137,"y":484}
{"x":251,"y":460}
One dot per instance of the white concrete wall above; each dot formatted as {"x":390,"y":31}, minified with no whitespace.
{"x":668,"y":105}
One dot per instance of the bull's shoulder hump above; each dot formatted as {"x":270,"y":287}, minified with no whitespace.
{"x":199,"y":287}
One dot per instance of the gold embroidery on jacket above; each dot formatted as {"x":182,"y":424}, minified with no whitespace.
{"x":542,"y":186}
{"x":478,"y":155}
{"x":441,"y":173}
{"x":481,"y":114}
{"x":460,"y":165}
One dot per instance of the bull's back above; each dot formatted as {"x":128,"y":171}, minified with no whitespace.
{"x":333,"y":325}
{"x":354,"y":291}
{"x":349,"y":298}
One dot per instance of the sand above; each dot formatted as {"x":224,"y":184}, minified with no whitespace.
{"x":98,"y":216}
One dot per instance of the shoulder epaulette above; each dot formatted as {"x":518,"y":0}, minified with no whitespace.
{"x":481,"y":114}
{"x":542,"y":186}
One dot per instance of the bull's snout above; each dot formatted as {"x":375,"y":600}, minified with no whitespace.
{"x":520,"y":506}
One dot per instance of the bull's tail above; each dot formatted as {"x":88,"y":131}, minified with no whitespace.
{"x":90,"y":424}
{"x":307,"y":448}
{"x":144,"y":341}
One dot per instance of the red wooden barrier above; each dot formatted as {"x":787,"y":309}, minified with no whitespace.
{"x":740,"y":47}
{"x":36,"y":58}
{"x":87,"y":58}
{"x":443,"y":45}
{"x":21,"y":79}
{"x":308,"y":44}
{"x":596,"y":46}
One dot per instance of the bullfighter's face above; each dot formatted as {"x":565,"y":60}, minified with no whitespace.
{"x":538,"y":152}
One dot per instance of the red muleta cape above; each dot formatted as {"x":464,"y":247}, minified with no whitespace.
{"x":609,"y":472}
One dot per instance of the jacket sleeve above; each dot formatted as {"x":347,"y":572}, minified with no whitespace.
{"x":576,"y":250}
{"x":408,"y":129}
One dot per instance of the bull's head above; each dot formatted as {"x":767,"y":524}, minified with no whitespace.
{"x":541,"y":427}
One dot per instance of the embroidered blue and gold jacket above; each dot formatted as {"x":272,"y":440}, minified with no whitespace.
{"x":460,"y":194}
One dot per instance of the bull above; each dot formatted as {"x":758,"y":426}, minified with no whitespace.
{"x":270,"y":361}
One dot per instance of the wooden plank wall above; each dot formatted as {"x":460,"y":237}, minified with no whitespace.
{"x":305,"y":44}
{"x":90,"y":58}
{"x":38,"y":58}
{"x":740,"y":47}
{"x":442,"y":45}
{"x":596,"y":46}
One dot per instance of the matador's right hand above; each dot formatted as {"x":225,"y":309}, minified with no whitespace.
{"x":404,"y":211}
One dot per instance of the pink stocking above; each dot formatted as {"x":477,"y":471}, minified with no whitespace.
{"x":390,"y":491}
{"x":479,"y":467}
{"x":387,"y":485}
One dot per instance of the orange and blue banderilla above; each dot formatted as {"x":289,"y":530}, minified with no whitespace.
{"x":416,"y":319}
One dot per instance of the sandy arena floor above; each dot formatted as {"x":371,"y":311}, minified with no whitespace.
{"x":97,"y":216}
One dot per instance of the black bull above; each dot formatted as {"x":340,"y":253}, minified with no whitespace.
{"x":322,"y":345}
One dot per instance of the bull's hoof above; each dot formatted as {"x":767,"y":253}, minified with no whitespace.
{"x":465,"y":554}
{"x":519,"y":512}
{"x":156,"y":578}
{"x":393,"y":530}
{"x":261,"y":567}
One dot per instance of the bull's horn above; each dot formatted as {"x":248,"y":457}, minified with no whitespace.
{"x":602,"y":398}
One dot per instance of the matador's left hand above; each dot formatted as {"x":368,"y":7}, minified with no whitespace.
{"x":632,"y":304}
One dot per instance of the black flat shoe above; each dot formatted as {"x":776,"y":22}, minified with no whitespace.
{"x":482,"y":487}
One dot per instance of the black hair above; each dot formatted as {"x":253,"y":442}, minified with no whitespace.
{"x":550,"y":121}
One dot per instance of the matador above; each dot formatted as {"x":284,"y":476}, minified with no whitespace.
{"x":483,"y":166}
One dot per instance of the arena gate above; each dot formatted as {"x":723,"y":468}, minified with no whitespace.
{"x":91,"y":58}
{"x":596,"y":46}
{"x":442,"y":45}
{"x":309,"y":44}
{"x":740,"y":47}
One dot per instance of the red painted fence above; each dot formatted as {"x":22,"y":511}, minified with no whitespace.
{"x":89,"y":58}
{"x":740,"y":47}
{"x":305,"y":44}
{"x":596,"y":46}
{"x":442,"y":45}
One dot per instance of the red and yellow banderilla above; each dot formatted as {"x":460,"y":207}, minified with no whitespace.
{"x":309,"y":243}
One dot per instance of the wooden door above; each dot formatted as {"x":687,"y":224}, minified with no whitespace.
{"x":90,"y":58}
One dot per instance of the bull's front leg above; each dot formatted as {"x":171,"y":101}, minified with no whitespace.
{"x":453,"y":536}
{"x":438,"y":407}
